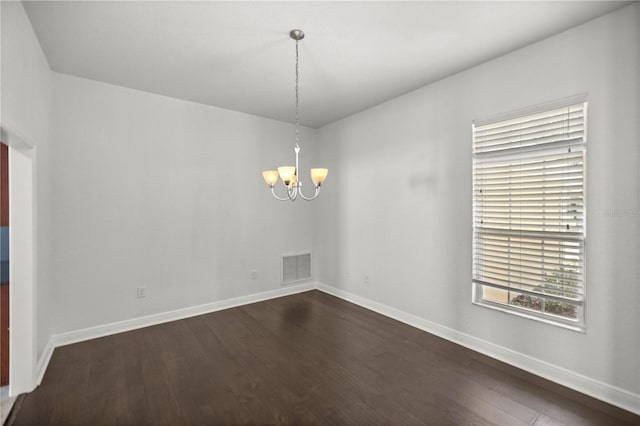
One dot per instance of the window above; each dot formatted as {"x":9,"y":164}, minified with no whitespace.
{"x":529,"y":214}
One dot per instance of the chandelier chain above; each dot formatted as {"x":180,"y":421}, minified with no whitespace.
{"x":297,"y":97}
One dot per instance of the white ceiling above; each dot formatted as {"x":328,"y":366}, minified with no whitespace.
{"x":238,"y":55}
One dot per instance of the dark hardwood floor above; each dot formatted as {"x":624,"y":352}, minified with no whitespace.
{"x":304,"y":359}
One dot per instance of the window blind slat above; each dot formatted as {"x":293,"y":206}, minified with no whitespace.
{"x":531,"y":145}
{"x":571,"y":135}
{"x":547,"y":219}
{"x":570,"y":279}
{"x":530,"y":228}
{"x":533,"y":254}
{"x":539,"y":191}
{"x":529,"y":213}
{"x":533,"y":119}
{"x":539,"y":162}
{"x":531,"y":201}
{"x":559,"y":124}
{"x":517,"y":185}
{"x":489,"y":178}
{"x":530,"y":262}
{"x":541,"y":251}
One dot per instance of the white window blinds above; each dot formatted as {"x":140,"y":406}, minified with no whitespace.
{"x":529,"y":212}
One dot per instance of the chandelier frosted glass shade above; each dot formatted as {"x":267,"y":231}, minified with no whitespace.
{"x":289,"y":174}
{"x":270,"y":177}
{"x":318,"y":176}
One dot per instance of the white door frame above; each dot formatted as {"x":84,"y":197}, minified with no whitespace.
{"x":22,"y":276}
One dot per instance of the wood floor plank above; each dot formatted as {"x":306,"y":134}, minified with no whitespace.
{"x":305,"y":359}
{"x":548,"y":403}
{"x":69,"y":391}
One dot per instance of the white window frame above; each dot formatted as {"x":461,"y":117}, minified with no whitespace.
{"x":515,"y":154}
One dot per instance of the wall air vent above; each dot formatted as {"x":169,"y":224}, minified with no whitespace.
{"x":296,"y":267}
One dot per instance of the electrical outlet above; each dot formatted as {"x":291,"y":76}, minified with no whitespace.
{"x":141,"y":292}
{"x":366,"y":279}
{"x":253,"y":274}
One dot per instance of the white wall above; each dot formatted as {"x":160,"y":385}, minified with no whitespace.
{"x":25,"y":120}
{"x":403,"y":216}
{"x":165,"y":194}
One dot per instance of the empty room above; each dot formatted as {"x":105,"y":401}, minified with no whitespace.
{"x":320,"y":212}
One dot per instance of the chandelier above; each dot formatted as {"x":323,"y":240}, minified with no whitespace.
{"x":289,"y":174}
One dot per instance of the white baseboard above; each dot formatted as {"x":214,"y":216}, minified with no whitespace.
{"x":135,"y":323}
{"x":132,"y":324}
{"x":602,"y":391}
{"x":43,"y":362}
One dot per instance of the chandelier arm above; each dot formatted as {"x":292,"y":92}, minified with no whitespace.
{"x":314,"y":195}
{"x":292,"y":193}
{"x":273,"y":192}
